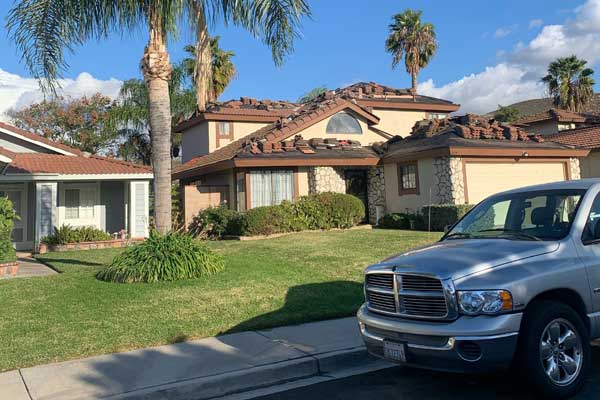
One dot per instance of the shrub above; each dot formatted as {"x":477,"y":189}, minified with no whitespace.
{"x":267,"y":220}
{"x":7,"y":216}
{"x":340,"y":210}
{"x":395,"y":221}
{"x":67,"y":234}
{"x":170,"y":257}
{"x":443,"y":215}
{"x":215,"y":222}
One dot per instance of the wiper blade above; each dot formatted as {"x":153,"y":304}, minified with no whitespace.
{"x":465,"y":235}
{"x":512,"y":232}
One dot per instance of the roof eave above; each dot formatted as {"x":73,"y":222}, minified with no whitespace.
{"x":380,"y":103}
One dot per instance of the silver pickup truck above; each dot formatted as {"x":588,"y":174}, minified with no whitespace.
{"x":515,"y":282}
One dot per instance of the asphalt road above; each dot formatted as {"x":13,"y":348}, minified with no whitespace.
{"x":408,"y":384}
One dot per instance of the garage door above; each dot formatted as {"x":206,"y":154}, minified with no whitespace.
{"x":485,"y":179}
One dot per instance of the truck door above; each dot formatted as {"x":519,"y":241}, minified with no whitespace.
{"x":589,"y":250}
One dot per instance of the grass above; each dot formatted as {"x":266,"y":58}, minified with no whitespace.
{"x":266,"y":283}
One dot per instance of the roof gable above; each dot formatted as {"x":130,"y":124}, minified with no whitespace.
{"x":38,"y":140}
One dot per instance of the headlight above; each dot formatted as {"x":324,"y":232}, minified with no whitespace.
{"x":474,"y":302}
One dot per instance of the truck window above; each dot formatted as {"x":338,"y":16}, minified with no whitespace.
{"x":592,"y":221}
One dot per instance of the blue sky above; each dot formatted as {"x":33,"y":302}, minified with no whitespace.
{"x":344,"y":43}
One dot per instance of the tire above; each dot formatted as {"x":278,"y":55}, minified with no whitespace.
{"x":538,"y":351}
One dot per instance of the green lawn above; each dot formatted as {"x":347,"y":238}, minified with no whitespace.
{"x":266,"y":283}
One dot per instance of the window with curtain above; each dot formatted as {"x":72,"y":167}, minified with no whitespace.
{"x":271,"y":187}
{"x":343,"y":122}
{"x":408,"y":178}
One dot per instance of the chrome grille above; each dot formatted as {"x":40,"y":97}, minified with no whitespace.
{"x":382,"y":301}
{"x":410,"y":295}
{"x":421,"y":283}
{"x":383,"y":281}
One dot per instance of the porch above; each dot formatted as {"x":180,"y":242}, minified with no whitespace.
{"x":108,"y":205}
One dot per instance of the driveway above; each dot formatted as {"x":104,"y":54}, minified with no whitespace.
{"x":408,"y":384}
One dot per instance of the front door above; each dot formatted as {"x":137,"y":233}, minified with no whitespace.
{"x":17,"y":194}
{"x":356,"y":185}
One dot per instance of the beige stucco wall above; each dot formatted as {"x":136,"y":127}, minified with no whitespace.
{"x":409,"y":202}
{"x":590,"y":165}
{"x":398,"y":122}
{"x":195,"y":142}
{"x":319,"y":130}
{"x":240,"y":129}
{"x":303,"y":189}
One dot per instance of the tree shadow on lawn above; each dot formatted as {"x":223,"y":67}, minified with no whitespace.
{"x":135,"y":370}
{"x":54,"y":263}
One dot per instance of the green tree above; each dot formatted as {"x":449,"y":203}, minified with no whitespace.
{"x":44,"y":29}
{"x":570,"y":83}
{"x":412,"y":40}
{"x":83,"y":123}
{"x":222,"y":69}
{"x":506,"y":113}
{"x":312,"y":94}
{"x":132,"y":114}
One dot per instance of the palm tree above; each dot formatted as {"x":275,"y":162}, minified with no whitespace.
{"x":43,"y":29}
{"x":131,"y":114}
{"x":570,"y":83}
{"x":413,"y":40}
{"x":222,"y":69}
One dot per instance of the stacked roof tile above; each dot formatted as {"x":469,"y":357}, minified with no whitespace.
{"x":558,"y":115}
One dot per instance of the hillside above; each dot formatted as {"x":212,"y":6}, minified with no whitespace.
{"x":534,"y":106}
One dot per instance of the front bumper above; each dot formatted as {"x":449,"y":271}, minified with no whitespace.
{"x":468,"y":344}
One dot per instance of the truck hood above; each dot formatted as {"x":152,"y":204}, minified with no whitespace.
{"x":458,"y":258}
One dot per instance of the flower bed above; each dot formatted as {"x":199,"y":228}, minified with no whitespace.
{"x":10,"y":268}
{"x":103,"y":244}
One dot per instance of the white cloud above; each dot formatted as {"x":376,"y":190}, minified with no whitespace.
{"x":503,"y":32}
{"x":517,"y":76}
{"x":535,"y":23}
{"x":18,"y":92}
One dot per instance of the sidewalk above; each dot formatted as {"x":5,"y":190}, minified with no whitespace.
{"x":198,"y":369}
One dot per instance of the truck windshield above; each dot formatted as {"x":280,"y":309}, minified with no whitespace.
{"x":536,"y":215}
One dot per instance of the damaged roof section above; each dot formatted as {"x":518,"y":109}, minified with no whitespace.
{"x":558,"y":115}
{"x":472,"y":135}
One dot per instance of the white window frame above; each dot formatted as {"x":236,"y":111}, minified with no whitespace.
{"x":95,"y":221}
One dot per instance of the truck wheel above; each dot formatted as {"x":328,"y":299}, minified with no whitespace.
{"x":554,"y":349}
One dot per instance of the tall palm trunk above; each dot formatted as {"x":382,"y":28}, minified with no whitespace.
{"x":414,"y":83}
{"x":202,"y":67}
{"x":157,"y":69}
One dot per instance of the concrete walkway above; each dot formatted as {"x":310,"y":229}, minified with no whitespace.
{"x":29,"y":266}
{"x":198,"y":369}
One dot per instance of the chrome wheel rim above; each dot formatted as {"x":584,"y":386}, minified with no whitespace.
{"x":561,"y":352}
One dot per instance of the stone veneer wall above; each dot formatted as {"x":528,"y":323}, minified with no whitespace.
{"x":326,"y":179}
{"x":376,"y":192}
{"x":575,"y":170}
{"x":448,"y":180}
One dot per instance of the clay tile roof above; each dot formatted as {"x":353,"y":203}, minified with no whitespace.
{"x":38,"y":138}
{"x":587,"y":138}
{"x":306,"y":115}
{"x":375,"y":91}
{"x":40,"y":163}
{"x":553,"y":114}
{"x":466,"y":131}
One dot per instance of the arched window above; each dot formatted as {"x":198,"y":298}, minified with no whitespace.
{"x":343,"y":123}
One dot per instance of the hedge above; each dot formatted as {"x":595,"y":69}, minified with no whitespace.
{"x":67,"y":234}
{"x":442,"y":215}
{"x":7,"y":216}
{"x":313,"y":212}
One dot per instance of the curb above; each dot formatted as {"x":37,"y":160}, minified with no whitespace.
{"x":254,"y":378}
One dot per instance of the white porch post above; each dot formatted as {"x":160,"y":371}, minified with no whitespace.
{"x":139,"y":208}
{"x":45,"y":210}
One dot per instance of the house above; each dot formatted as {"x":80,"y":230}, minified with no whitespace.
{"x":51,"y":184}
{"x":586,"y":138}
{"x":251,"y":153}
{"x":394,"y":152}
{"x":462,"y":160}
{"x":555,"y":120}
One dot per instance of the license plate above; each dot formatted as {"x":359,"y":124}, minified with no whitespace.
{"x":394,"y":351}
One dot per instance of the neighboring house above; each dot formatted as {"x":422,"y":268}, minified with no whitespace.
{"x":586,"y":138}
{"x":255,"y":153}
{"x":465,"y":159}
{"x":365,"y":140}
{"x":51,"y":185}
{"x":555,"y":120}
